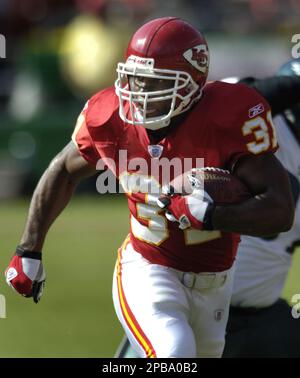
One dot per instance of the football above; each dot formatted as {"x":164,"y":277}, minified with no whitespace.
{"x":221,"y":185}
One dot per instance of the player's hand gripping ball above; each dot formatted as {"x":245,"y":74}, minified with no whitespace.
{"x":190,"y":199}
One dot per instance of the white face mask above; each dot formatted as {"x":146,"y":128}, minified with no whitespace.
{"x":141,"y":101}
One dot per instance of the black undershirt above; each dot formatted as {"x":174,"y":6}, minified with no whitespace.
{"x":281,"y":92}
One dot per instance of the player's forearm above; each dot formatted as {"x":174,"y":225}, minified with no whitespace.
{"x":259,"y":216}
{"x":50,"y":197}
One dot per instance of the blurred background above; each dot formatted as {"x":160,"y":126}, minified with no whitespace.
{"x":58,"y":53}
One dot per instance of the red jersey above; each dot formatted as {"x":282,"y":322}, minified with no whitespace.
{"x":229,"y":121}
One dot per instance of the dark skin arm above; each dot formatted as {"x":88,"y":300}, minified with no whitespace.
{"x":271,"y":210}
{"x":52,"y":194}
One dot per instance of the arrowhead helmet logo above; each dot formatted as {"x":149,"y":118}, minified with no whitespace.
{"x":198,"y":56}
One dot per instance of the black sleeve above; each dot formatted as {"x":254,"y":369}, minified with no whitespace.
{"x":281,"y":92}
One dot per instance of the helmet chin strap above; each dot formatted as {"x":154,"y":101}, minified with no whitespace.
{"x":183,"y":107}
{"x":159,"y":124}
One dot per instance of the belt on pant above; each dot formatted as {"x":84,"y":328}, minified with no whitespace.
{"x":202,"y":281}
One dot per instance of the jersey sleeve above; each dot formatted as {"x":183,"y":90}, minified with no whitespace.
{"x":96,"y":130}
{"x":251,"y":130}
{"x":83,"y":140}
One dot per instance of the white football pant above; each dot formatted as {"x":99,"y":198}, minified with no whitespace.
{"x":168,"y":313}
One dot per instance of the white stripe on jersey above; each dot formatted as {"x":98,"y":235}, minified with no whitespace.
{"x":261,"y":265}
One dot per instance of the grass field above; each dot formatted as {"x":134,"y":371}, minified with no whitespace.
{"x":75,"y":317}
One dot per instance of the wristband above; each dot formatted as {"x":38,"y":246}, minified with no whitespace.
{"x":21,"y":252}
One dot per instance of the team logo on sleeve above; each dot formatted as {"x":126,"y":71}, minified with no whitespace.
{"x":198,"y":56}
{"x":256,"y":110}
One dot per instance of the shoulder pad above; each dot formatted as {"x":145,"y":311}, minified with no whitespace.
{"x":101,"y":107}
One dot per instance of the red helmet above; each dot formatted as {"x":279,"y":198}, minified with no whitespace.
{"x":166,"y":49}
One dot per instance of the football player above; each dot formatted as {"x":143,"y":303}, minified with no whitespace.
{"x":173,"y":280}
{"x":263,"y":263}
{"x":261,"y":324}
